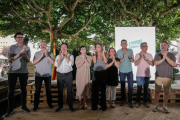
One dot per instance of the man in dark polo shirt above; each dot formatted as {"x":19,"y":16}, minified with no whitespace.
{"x":43,"y":61}
{"x":164,"y":62}
{"x":18,"y":55}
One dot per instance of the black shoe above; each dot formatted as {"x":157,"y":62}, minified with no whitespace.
{"x":122,"y":103}
{"x":51,"y":106}
{"x":103,"y":109}
{"x":72,"y":109}
{"x":25,"y":109}
{"x":1,"y":118}
{"x":8,"y":114}
{"x":58,"y":109}
{"x":35,"y":108}
{"x":131,"y":105}
{"x":94,"y":109}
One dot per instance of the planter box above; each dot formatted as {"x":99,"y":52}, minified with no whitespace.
{"x":4,"y":90}
{"x":174,"y":96}
{"x":3,"y":82}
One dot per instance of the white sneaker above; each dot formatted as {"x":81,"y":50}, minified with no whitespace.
{"x":155,"y":107}
{"x":107,"y":104}
{"x":166,"y":110}
{"x":113,"y":105}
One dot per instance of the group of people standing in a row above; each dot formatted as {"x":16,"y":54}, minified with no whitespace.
{"x":105,"y":74}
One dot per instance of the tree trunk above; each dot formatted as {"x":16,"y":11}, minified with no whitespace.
{"x":51,"y":40}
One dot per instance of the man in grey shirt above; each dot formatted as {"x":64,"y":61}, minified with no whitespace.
{"x":18,"y":56}
{"x":43,"y":61}
{"x":164,"y":62}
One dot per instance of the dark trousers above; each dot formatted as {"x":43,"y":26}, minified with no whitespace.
{"x":145,"y":88}
{"x":12,"y":79}
{"x":99,"y":82}
{"x":129,"y":76}
{"x":61,"y":80}
{"x":38,"y":84}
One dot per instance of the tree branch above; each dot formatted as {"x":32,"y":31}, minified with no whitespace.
{"x":31,"y":6}
{"x":92,"y":5}
{"x":109,"y":8}
{"x":124,"y":6}
{"x":22,"y":5}
{"x":62,"y":1}
{"x":151,"y":23}
{"x":119,"y":22}
{"x":111,"y":13}
{"x":134,"y":19}
{"x":45,"y":30}
{"x":48,"y":13}
{"x":71,"y":14}
{"x":83,"y":27}
{"x":50,"y":6}
{"x":65,"y":21}
{"x":74,"y":5}
{"x":150,"y":3}
{"x":38,"y":6}
{"x":169,"y":10}
{"x":30,"y":20}
{"x":167,"y":2}
{"x":117,"y":6}
{"x":31,"y":25}
{"x":29,"y":15}
{"x":142,"y":2}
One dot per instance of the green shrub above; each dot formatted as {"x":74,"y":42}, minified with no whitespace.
{"x":2,"y":72}
{"x":174,"y":75}
{"x":1,"y":86}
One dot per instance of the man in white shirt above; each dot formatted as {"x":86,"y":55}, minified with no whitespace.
{"x":64,"y":63}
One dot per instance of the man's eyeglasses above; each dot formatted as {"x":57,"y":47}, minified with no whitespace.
{"x":144,"y":46}
{"x":19,"y":37}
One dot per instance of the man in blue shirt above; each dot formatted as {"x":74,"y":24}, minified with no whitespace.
{"x":126,"y":58}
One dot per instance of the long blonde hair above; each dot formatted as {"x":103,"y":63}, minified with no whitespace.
{"x":114,"y":51}
{"x":102,"y":58}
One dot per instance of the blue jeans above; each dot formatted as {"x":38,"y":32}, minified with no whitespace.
{"x":142,"y":81}
{"x":129,"y":76}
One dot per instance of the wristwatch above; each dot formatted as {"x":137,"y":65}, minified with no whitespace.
{"x":147,"y":60}
{"x":130,"y":58}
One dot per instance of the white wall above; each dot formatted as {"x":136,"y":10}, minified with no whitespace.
{"x":135,"y":36}
{"x":12,"y":41}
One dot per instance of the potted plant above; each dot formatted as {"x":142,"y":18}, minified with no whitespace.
{"x":174,"y":75}
{"x":2,"y":72}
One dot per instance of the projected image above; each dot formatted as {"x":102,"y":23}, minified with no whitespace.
{"x":135,"y":44}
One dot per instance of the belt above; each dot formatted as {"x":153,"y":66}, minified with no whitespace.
{"x":66,"y":73}
{"x":100,"y":71}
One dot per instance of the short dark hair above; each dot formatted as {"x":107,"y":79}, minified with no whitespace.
{"x":123,"y":40}
{"x":164,"y":42}
{"x":65,"y":44}
{"x":143,"y":43}
{"x":80,"y":49}
{"x":18,"y":33}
